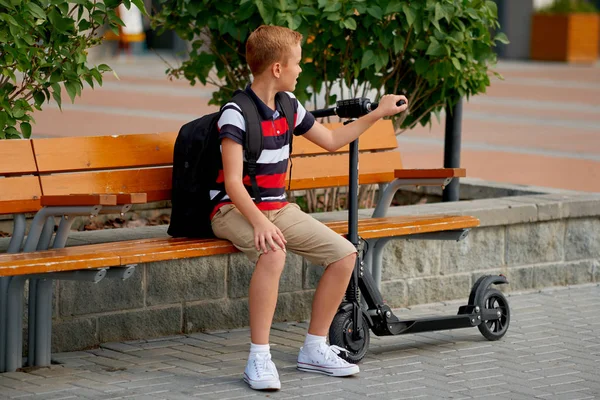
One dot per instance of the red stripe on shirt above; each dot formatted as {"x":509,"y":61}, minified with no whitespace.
{"x":264,"y":181}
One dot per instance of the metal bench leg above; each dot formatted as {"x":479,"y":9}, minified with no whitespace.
{"x":62,"y":234}
{"x":14,"y":246}
{"x":18,"y":234}
{"x":3,"y":321}
{"x":40,"y":355}
{"x":14,"y":325}
{"x":32,"y":319}
{"x":40,"y":331}
{"x":46,"y":235}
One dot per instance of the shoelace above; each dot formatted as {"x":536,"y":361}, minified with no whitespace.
{"x":263,"y":365}
{"x":331,"y":353}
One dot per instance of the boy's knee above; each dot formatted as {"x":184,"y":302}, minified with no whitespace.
{"x":273,"y":260}
{"x":347,"y":263}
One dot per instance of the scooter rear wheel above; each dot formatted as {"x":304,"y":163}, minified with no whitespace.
{"x":340,"y":334}
{"x":493,"y":299}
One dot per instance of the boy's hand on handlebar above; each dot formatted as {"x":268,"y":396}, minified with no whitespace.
{"x":388,"y":105}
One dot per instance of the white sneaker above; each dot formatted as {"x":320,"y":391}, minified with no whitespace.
{"x":324,"y":359}
{"x":261,"y":374}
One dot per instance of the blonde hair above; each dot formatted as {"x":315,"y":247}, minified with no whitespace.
{"x":269,"y":44}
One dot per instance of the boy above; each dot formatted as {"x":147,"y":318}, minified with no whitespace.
{"x":264,"y":231}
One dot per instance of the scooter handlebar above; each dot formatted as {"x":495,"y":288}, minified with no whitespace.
{"x":351,"y":108}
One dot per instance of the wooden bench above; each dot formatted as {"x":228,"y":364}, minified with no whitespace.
{"x":137,"y":169}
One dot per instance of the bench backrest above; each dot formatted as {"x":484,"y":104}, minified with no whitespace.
{"x":19,"y":188}
{"x":142,"y":163}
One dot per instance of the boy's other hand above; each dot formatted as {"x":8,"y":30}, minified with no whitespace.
{"x":268,"y":236}
{"x":387,"y":105}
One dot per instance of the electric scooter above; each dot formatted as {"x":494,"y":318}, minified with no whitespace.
{"x":487,"y":307}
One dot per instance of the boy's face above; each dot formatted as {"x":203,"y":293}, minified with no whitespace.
{"x":290,"y":69}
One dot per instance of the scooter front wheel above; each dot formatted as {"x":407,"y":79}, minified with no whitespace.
{"x":341,"y":334}
{"x":493,"y":299}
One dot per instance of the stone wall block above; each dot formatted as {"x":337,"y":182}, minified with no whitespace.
{"x":79,"y":298}
{"x":293,"y":306}
{"x":189,"y":279}
{"x":241,"y":270}
{"x":410,"y":259}
{"x":535,"y":243}
{"x":73,"y":335}
{"x":312,"y":274}
{"x":140,"y":324}
{"x":582,"y":240}
{"x":433,"y":289}
{"x":572,"y":273}
{"x":394,"y":293}
{"x":483,"y":248}
{"x":216,"y":314}
{"x":519,"y":278}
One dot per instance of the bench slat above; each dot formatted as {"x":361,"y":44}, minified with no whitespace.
{"x":154,"y":182}
{"x":159,"y":249}
{"x":104,"y":152}
{"x":155,"y":149}
{"x":80,"y":200}
{"x":19,"y":194}
{"x":430,"y":173}
{"x":380,"y":136}
{"x":16,"y":157}
{"x":332,"y":170}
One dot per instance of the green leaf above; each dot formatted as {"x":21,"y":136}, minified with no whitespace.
{"x":439,"y":12}
{"x":12,"y":133}
{"x":501,"y":37}
{"x":368,"y":59}
{"x":398,"y":44}
{"x":393,"y":7}
{"x":333,"y":7}
{"x":410,"y":14}
{"x":435,"y":49}
{"x":456,"y":63}
{"x":140,"y":5}
{"x":35,"y":10}
{"x":104,"y":68}
{"x":421,"y":65}
{"x":3,"y":119}
{"x":71,"y":90}
{"x":26,"y":130}
{"x":9,"y":19}
{"x":39,"y":98}
{"x":375,"y":11}
{"x":56,"y":94}
{"x":493,"y":8}
{"x":350,"y":23}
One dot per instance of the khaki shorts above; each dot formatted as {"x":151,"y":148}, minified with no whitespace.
{"x":305,"y":235}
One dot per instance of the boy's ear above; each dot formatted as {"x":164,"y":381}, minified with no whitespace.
{"x":276,"y":69}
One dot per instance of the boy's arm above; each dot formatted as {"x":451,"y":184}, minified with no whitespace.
{"x":233,"y":166}
{"x":333,"y":140}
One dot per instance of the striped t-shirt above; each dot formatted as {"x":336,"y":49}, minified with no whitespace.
{"x":272,"y":164}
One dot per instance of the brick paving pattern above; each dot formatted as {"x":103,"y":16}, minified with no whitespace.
{"x":551,"y":351}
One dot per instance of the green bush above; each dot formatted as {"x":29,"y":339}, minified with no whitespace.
{"x":569,"y":6}
{"x":43,"y":44}
{"x":433,"y":51}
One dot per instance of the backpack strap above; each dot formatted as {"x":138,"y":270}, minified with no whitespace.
{"x":285,"y":101}
{"x":253,"y":144}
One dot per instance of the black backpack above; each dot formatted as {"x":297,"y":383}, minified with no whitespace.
{"x":197,"y":161}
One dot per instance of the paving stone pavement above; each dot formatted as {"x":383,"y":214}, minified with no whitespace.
{"x":551,"y":351}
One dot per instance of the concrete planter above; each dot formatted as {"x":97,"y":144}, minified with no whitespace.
{"x":565,"y":37}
